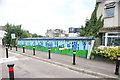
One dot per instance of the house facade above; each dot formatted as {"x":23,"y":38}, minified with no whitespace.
{"x":74,"y":32}
{"x":2,"y":33}
{"x":110,"y":11}
{"x":56,"y":33}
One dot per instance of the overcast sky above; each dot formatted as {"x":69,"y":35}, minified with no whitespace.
{"x":39,"y":15}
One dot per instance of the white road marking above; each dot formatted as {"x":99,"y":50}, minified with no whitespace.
{"x":23,"y":58}
{"x":3,"y":60}
{"x":17,"y":54}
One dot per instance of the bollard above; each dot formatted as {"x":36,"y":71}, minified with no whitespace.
{"x":23,"y":49}
{"x":117,"y":65}
{"x":10,"y":47}
{"x":33,"y":50}
{"x":16,"y":47}
{"x":6,"y":52}
{"x":6,"y":45}
{"x":11,"y":71}
{"x":74,"y":53}
{"x":49,"y":57}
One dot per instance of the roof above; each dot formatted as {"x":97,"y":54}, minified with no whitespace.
{"x":109,"y":29}
{"x":99,"y":1}
{"x":59,"y":38}
{"x":2,"y":27}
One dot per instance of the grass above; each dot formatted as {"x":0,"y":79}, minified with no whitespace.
{"x":82,"y":53}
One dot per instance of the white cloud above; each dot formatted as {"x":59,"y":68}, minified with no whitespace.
{"x":39,"y":15}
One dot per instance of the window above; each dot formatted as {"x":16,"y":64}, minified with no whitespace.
{"x":71,"y":30}
{"x":109,"y":10}
{"x":113,"y":38}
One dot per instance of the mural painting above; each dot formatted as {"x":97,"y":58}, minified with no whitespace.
{"x":59,"y":45}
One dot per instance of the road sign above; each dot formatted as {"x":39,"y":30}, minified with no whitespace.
{"x":13,"y":36}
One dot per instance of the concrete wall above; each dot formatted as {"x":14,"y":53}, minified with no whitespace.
{"x":112,"y":21}
{"x":100,"y":10}
{"x":119,"y":14}
{"x":109,"y":21}
{"x":2,"y":33}
{"x":0,"y":41}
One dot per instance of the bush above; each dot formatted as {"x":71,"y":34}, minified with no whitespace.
{"x":109,"y":52}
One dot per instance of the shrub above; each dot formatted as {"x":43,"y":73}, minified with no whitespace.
{"x":109,"y":52}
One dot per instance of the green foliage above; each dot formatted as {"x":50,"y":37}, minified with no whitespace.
{"x":93,"y":25}
{"x":25,"y":34}
{"x":35,"y":35}
{"x":109,"y":52}
{"x":16,"y":29}
{"x":82,"y":53}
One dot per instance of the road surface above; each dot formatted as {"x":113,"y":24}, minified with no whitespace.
{"x":26,"y":67}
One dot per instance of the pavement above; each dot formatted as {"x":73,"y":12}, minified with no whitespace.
{"x":1,"y":50}
{"x":97,"y":68}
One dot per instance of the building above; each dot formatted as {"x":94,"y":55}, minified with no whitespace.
{"x":74,"y":32}
{"x":56,"y":33}
{"x":110,"y":11}
{"x":2,"y":33}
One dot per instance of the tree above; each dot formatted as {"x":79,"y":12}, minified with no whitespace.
{"x":35,"y":35}
{"x":16,"y":29}
{"x":25,"y":34}
{"x":93,"y":25}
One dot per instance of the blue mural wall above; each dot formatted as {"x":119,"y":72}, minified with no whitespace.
{"x":64,"y":45}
